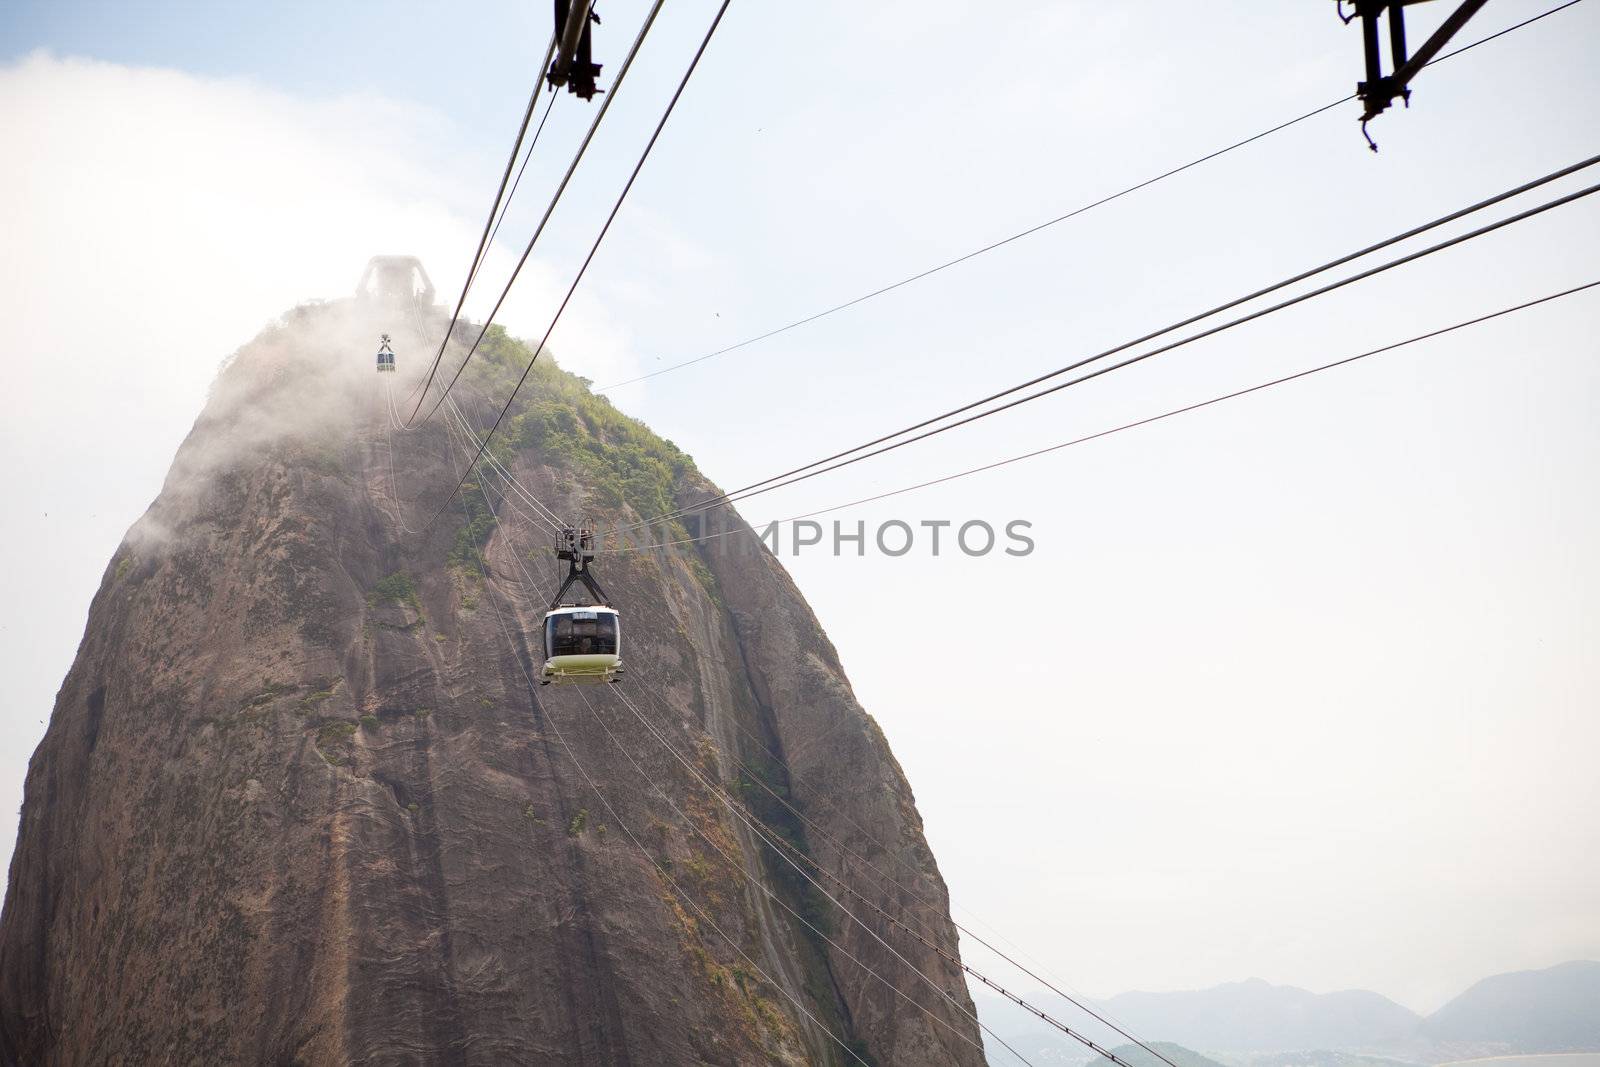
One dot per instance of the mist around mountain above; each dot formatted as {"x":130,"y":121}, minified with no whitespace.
{"x":1257,"y":1024}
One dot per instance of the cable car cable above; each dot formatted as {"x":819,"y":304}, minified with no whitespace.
{"x":1163,"y":349}
{"x":738,"y":867}
{"x":743,"y":815}
{"x":509,"y":480}
{"x":388,"y":437}
{"x":757,"y":884}
{"x":549,"y":517}
{"x":774,"y":840}
{"x":1076,"y":1000}
{"x":1192,"y":407}
{"x":951,"y":958}
{"x":921,"y":936}
{"x":766,"y":833}
{"x":1218,"y":399}
{"x":820,"y":466}
{"x":533,"y":699}
{"x":595,"y":247}
{"x":745,"y":491}
{"x":649,"y":859}
{"x":727,"y":801}
{"x":1140,"y":422}
{"x":1060,"y":218}
{"x":808,"y":859}
{"x":561,"y":188}
{"x":483,"y":241}
{"x":515,"y":185}
{"x":551,"y":520}
{"x":1279,"y":381}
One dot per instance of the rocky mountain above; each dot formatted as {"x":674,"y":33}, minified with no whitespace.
{"x":300,"y":803}
{"x":1552,"y":1010}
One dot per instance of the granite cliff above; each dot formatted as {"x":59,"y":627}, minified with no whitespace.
{"x":299,"y":803}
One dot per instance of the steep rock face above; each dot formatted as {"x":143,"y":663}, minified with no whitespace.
{"x":299,"y":803}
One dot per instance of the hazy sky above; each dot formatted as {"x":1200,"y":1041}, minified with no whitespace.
{"x":1305,"y":685}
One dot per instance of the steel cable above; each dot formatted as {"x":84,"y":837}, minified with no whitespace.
{"x":561,"y":188}
{"x":849,"y":456}
{"x":1313,"y":113}
{"x":499,"y":195}
{"x":593,"y":249}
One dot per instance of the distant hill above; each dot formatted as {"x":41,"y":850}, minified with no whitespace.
{"x":1257,"y":1024}
{"x":1138,"y":1057}
{"x":1256,"y":1016}
{"x":1315,"y":1058}
{"x":1553,"y":1010}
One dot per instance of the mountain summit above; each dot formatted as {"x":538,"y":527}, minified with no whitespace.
{"x":301,"y":800}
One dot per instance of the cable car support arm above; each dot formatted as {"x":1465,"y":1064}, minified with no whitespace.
{"x":1379,"y":90}
{"x":576,"y":546}
{"x":573,"y":65}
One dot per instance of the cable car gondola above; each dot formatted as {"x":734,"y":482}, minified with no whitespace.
{"x":582,"y":642}
{"x":385,"y":356}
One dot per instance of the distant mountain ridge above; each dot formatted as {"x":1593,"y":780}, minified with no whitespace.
{"x":1142,"y":1057}
{"x":1256,"y":1016}
{"x":1553,"y":1010}
{"x":1254,"y":1022}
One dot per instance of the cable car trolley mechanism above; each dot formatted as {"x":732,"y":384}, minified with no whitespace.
{"x":582,"y":642}
{"x":1379,"y":90}
{"x":385,"y":356}
{"x":573,"y":65}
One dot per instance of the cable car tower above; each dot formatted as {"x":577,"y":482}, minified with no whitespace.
{"x":1379,"y":90}
{"x":582,"y":641}
{"x":572,"y":65}
{"x":395,"y":280}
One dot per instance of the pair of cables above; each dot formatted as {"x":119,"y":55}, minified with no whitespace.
{"x":1007,"y":399}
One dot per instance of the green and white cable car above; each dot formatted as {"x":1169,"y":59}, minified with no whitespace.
{"x":582,"y":642}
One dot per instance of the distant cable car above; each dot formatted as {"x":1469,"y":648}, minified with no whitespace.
{"x":385,"y":356}
{"x":582,"y":642}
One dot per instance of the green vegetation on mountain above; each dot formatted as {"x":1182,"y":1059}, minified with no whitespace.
{"x":617,"y":458}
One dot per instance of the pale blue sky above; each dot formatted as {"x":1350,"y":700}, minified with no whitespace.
{"x":1315,"y":684}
